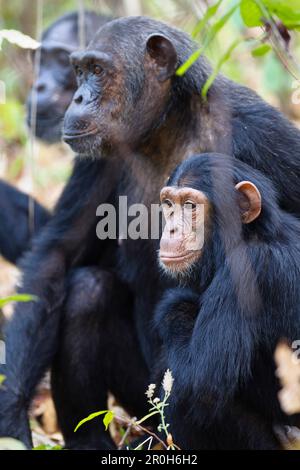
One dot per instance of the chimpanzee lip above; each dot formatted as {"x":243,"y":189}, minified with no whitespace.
{"x":79,"y":135}
{"x":168,"y":258}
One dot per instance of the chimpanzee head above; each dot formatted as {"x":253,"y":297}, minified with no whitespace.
{"x":211,"y":204}
{"x":126,"y":83}
{"x":55,"y":85}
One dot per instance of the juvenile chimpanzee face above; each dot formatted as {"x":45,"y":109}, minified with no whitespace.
{"x":123,"y":89}
{"x":52,"y":91}
{"x":187,"y":214}
{"x":189,"y":223}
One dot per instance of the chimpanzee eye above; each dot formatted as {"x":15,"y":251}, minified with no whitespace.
{"x":189,"y":205}
{"x":168,"y":203}
{"x":62,"y":57}
{"x":78,"y":71}
{"x":97,"y":70}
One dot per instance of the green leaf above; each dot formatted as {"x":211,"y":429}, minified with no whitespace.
{"x":18,"y":298}
{"x":48,"y":447}
{"x":108,"y":419}
{"x":140,"y":421}
{"x":210,"y":36}
{"x":217,"y":68}
{"x":220,"y":23}
{"x":286,"y":11}
{"x":251,"y":13}
{"x":12,"y":116}
{"x":292,"y":26}
{"x":261,"y":50}
{"x":210,"y":12}
{"x":189,"y":62}
{"x":90,"y":417}
{"x":2,"y":378}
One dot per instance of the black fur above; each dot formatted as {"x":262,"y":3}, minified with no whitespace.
{"x":17,"y":225}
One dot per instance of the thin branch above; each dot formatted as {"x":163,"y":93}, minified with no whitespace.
{"x":127,"y":421}
{"x":126,"y":434}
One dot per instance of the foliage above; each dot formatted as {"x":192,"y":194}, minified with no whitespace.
{"x":108,"y":417}
{"x":48,"y":447}
{"x":157,"y":408}
{"x":276,"y":18}
{"x":12,"y":121}
{"x":18,"y":298}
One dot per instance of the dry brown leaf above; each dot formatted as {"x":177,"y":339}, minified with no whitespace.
{"x":288,"y":372}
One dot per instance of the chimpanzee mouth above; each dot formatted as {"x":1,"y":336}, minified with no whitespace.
{"x":168,"y":259}
{"x":84,"y":143}
{"x":46,"y":118}
{"x":79,"y":135}
{"x":45,"y":121}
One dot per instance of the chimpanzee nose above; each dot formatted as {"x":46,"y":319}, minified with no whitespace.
{"x":78,"y":99}
{"x":171,"y":241}
{"x":42,"y":93}
{"x":76,"y":120}
{"x":83,"y":97}
{"x":40,"y":87}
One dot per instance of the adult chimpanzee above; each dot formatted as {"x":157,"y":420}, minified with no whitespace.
{"x":52,"y":93}
{"x":56,"y":83}
{"x":219,"y":334}
{"x":135,"y":120}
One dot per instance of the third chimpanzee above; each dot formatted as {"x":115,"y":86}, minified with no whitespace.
{"x":134,"y":120}
{"x":56,"y":81}
{"x":52,"y":93}
{"x":21,"y":219}
{"x":239,"y":296}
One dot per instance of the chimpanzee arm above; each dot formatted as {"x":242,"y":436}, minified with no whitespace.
{"x":176,"y":314}
{"x":16,"y":227}
{"x":32,"y":334}
{"x":209,"y":343}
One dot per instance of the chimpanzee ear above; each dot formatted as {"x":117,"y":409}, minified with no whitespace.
{"x":249,"y":202}
{"x":164,"y":54}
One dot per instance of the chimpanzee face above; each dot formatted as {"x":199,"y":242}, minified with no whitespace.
{"x":189,"y":223}
{"x":122,"y":91}
{"x":187,"y":216}
{"x":53,"y":90}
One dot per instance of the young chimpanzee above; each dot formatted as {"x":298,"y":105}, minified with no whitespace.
{"x":238,"y":295}
{"x":52,"y":93}
{"x":134,"y":120}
